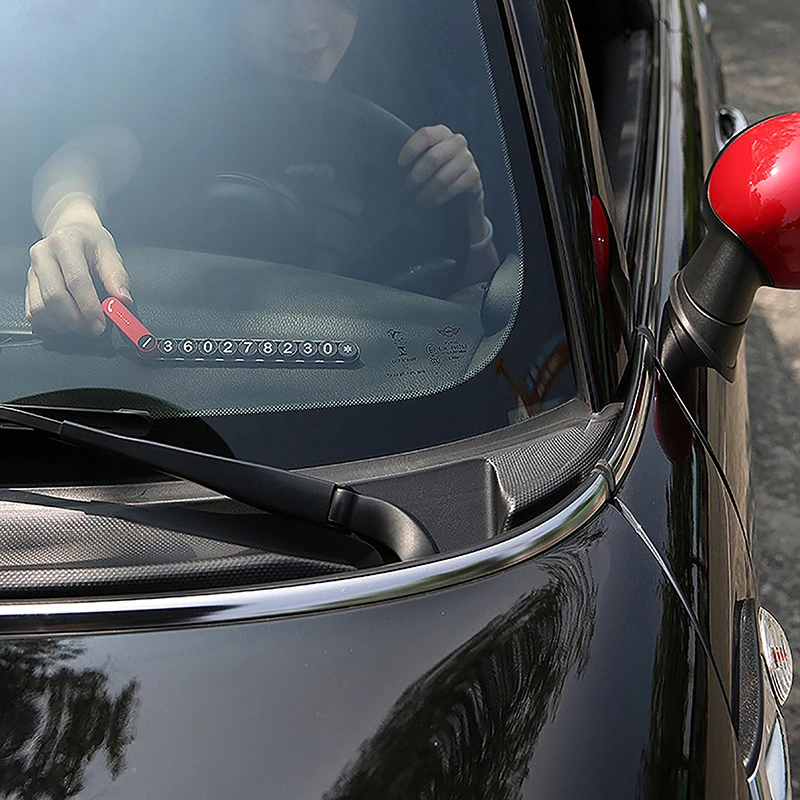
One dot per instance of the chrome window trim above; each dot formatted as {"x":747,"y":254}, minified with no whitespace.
{"x":394,"y":583}
{"x":302,"y":598}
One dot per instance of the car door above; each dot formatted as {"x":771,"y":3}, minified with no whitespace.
{"x":650,"y":100}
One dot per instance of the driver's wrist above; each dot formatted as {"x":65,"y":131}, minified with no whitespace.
{"x":478,"y":223}
{"x":485,"y":242}
{"x":76,"y":208}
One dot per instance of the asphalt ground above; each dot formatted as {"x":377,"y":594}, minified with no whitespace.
{"x":758,"y":46}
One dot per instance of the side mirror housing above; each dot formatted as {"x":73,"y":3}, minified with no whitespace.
{"x":752,"y":210}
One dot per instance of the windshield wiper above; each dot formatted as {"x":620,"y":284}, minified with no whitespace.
{"x":270,"y":489}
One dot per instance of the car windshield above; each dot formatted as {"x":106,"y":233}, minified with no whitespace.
{"x":309,"y":226}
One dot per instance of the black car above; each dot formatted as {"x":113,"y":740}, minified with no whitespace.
{"x":373,"y":419}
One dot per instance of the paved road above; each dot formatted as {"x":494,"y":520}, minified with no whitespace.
{"x":757,"y":41}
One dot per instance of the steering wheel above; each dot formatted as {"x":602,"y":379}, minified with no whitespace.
{"x":318,"y":185}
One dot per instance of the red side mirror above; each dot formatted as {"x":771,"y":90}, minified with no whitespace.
{"x":754,"y":189}
{"x":753,"y":217}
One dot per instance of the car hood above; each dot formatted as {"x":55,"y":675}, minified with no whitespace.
{"x":566,"y":676}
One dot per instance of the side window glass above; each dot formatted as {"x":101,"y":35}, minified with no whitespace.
{"x":615,"y":42}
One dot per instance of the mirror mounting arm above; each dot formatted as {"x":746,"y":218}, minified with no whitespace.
{"x":709,"y":302}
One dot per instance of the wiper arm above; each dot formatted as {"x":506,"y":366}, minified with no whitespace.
{"x":270,"y":489}
{"x":125,"y":421}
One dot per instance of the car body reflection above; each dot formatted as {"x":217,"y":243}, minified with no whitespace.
{"x":474,"y":719}
{"x":55,"y":718}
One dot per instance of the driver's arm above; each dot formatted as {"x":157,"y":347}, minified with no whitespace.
{"x":69,"y":194}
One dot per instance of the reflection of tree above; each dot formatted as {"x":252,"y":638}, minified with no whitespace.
{"x":54,"y":719}
{"x":469,"y":726}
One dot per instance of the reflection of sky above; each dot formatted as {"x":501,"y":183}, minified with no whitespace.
{"x":776,"y":159}
{"x":87,"y":61}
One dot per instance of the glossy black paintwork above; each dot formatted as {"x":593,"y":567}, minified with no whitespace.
{"x":695,"y":504}
{"x":579,"y":673}
{"x":568,"y":676}
{"x":680,"y":497}
{"x":702,"y":541}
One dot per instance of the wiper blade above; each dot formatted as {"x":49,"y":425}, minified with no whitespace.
{"x":270,"y":489}
{"x":125,"y":421}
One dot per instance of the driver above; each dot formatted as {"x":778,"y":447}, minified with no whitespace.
{"x":299,"y":39}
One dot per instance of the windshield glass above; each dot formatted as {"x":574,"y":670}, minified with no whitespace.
{"x":310,"y":225}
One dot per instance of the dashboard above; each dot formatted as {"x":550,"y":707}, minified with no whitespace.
{"x":224,"y":335}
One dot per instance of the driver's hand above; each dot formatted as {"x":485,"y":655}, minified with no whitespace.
{"x":60,"y":294}
{"x":445,"y":167}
